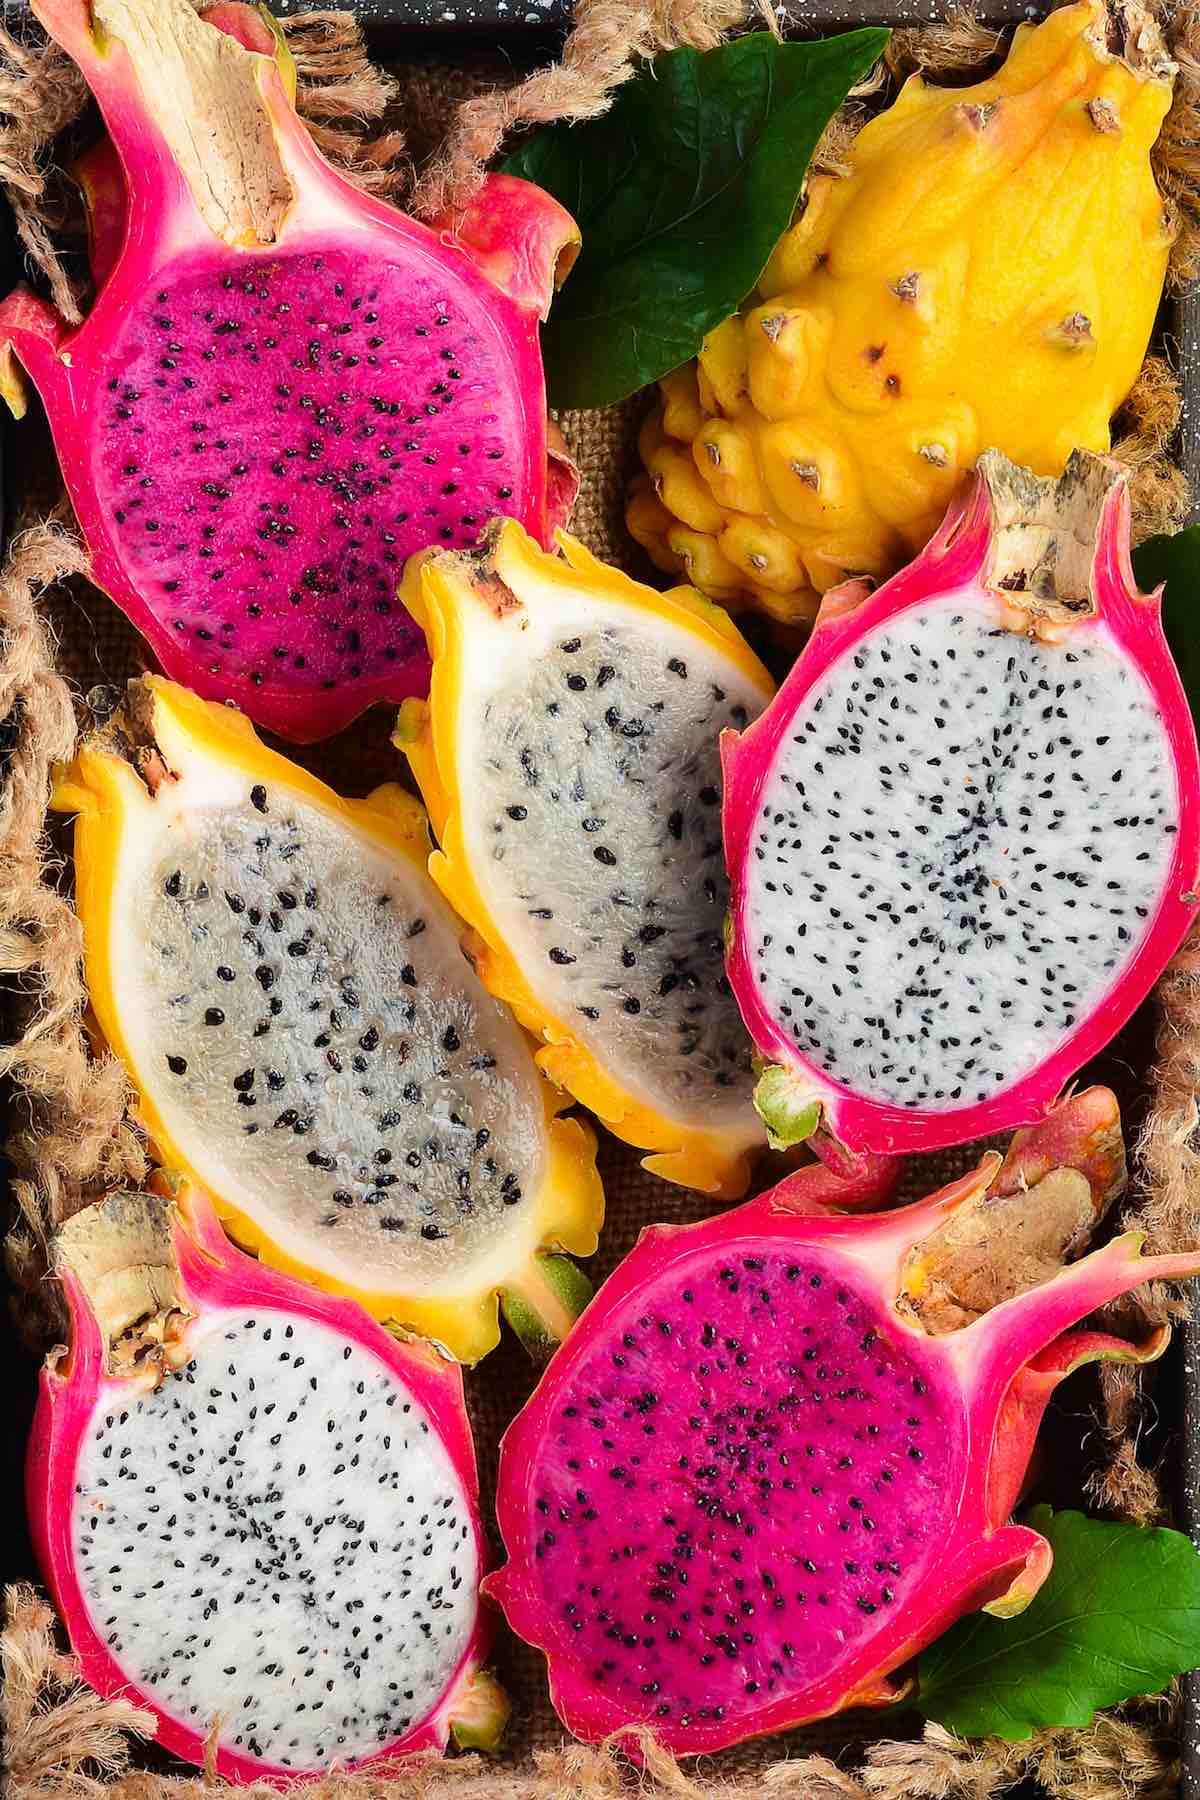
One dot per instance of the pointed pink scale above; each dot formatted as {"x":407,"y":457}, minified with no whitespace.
{"x":285,"y":387}
{"x":749,"y":1488}
{"x":955,"y":571}
{"x":221,"y":1286}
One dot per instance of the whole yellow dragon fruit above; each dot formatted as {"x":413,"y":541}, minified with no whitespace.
{"x":987,"y":274}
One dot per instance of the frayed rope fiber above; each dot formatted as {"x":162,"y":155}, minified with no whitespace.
{"x":68,"y":1744}
{"x":71,"y":1132}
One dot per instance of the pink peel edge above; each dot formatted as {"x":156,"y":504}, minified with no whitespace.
{"x":214,"y":1270}
{"x":954,"y":556}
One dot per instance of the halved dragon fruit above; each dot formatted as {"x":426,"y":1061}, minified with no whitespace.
{"x":290,"y":995}
{"x":256,"y":1511}
{"x":964,"y":839}
{"x":777,"y":1454}
{"x":569,"y":759}
{"x":98,"y":172}
{"x":284,"y":386}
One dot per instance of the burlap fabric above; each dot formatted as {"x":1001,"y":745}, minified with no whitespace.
{"x":70,"y":1134}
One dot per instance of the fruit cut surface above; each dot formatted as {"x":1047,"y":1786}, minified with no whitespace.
{"x":290,"y":994}
{"x":778,"y":1453}
{"x":277,"y":441}
{"x":283,"y":386}
{"x":570,"y":760}
{"x":288,"y":1469}
{"x":945,"y":887}
{"x":780,"y":1483}
{"x":257,"y":1512}
{"x":964,"y":838}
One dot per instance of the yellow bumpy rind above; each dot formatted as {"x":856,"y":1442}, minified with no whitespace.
{"x":986,"y":276}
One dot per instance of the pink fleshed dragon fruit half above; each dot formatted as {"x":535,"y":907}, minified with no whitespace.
{"x":778,"y":1453}
{"x":256,"y":1510}
{"x":964,"y":839}
{"x":284,"y":386}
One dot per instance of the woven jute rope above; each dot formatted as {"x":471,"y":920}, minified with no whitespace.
{"x":72,"y":1135}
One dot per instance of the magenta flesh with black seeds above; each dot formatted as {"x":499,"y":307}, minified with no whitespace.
{"x":759,"y":1476}
{"x":284,"y":387}
{"x":278,"y":443}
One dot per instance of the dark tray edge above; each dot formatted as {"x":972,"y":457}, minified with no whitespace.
{"x":1185,"y":325}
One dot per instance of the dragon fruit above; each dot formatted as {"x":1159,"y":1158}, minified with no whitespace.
{"x":284,"y":386}
{"x":289,"y":994}
{"x":964,"y":839}
{"x":98,"y":173}
{"x":986,"y":272}
{"x":257,"y":1512}
{"x":569,"y":760}
{"x":768,"y":1465}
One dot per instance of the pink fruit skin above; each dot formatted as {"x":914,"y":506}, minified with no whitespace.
{"x":986,"y":1389}
{"x":99,"y":173}
{"x":303,"y":631}
{"x":215,"y":1274}
{"x":954,"y":559}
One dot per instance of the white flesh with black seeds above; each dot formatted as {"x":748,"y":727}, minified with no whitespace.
{"x":318,"y":1046}
{"x":591,"y":795}
{"x":959,"y":846}
{"x":276,"y":1536}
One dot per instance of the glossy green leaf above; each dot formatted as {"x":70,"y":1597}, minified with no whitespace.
{"x":1118,"y":1615}
{"x":682,"y":190}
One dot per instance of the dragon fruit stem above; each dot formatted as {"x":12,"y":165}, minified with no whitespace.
{"x":480,"y":1713}
{"x":544,"y":1303}
{"x":98,"y":171}
{"x":1018,"y":1331}
{"x":189,"y":110}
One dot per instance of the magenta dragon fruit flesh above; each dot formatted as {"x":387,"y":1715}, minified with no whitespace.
{"x":777,"y":1454}
{"x":284,"y":386}
{"x":964,"y":839}
{"x":257,"y":1511}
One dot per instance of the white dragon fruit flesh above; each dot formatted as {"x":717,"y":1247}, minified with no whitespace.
{"x":257,"y":1512}
{"x":290,"y":995}
{"x":964,"y":839}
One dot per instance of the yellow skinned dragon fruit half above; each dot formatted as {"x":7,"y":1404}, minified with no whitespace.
{"x":986,"y":275}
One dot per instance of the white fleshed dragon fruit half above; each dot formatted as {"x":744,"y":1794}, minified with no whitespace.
{"x":256,"y":1511}
{"x":963,"y":840}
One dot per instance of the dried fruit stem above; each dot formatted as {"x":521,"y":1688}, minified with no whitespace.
{"x":121,"y":1253}
{"x":200,"y":89}
{"x":1046,"y":533}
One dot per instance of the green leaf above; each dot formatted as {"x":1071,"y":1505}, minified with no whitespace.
{"x":1118,"y":1615}
{"x":1176,"y":560}
{"x":682,"y":190}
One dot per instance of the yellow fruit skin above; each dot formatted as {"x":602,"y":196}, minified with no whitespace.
{"x":450,"y":598}
{"x":987,"y":275}
{"x":102,"y":788}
